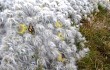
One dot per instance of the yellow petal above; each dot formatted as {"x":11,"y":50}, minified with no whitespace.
{"x":60,"y":35}
{"x":58,"y":24}
{"x":60,"y":58}
{"x":22,"y":28}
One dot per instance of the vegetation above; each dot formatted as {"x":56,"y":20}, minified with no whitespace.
{"x":97,"y":33}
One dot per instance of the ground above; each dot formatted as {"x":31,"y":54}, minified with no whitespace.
{"x":97,"y":34}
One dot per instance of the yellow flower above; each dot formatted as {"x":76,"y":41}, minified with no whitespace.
{"x":60,"y":35}
{"x":22,"y":28}
{"x":60,"y":58}
{"x":58,"y":24}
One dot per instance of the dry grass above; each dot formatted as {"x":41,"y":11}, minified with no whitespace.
{"x":97,"y":33}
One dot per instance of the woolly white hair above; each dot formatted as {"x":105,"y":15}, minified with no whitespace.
{"x":41,"y":50}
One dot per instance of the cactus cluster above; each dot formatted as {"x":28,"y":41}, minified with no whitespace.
{"x":40,"y":35}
